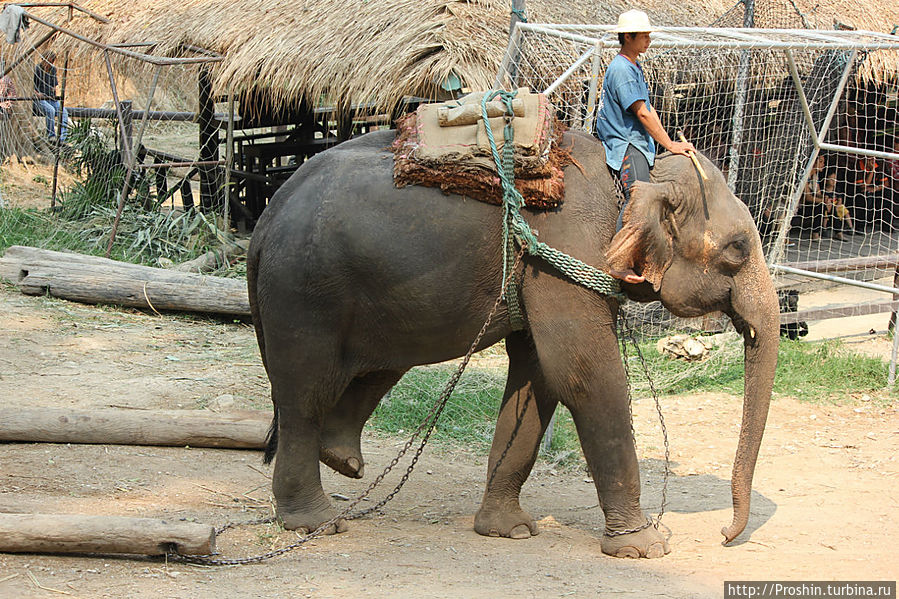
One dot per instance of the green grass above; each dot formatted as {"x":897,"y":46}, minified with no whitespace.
{"x":470,"y":415}
{"x":142,"y":237}
{"x":85,"y":212}
{"x":807,"y":371}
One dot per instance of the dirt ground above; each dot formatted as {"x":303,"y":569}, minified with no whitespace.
{"x":825,"y":500}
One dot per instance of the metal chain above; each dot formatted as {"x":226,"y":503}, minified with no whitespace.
{"x":629,"y":334}
{"x":515,"y":430}
{"x":429,"y":423}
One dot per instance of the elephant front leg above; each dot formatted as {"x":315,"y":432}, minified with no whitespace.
{"x":581,"y":365}
{"x":604,"y":428}
{"x":524,"y":416}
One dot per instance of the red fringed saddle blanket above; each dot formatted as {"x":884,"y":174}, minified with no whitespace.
{"x":446,"y":146}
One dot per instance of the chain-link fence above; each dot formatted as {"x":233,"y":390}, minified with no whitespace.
{"x":801,"y":123}
{"x":111,"y":134}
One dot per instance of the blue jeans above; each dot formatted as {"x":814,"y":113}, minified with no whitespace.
{"x":49,"y":109}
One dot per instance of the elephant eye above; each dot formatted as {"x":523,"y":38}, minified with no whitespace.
{"x":735,"y":252}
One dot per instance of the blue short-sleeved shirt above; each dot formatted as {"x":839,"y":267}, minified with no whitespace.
{"x":617,"y":126}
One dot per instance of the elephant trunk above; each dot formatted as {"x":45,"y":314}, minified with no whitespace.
{"x":756,"y":314}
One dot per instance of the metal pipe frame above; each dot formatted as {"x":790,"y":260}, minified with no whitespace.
{"x":551,"y":30}
{"x":71,"y":5}
{"x":125,"y":142}
{"x":229,"y":160}
{"x":130,"y":152}
{"x":593,"y":94}
{"x":119,"y":49}
{"x":816,"y":137}
{"x":860,"y":151}
{"x":735,"y":37}
{"x":27,"y":53}
{"x":511,"y":50}
{"x":574,"y":67}
{"x":180,"y":164}
{"x":60,"y":118}
{"x":835,"y":279}
{"x":803,"y":100}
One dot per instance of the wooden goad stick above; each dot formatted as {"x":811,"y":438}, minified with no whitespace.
{"x":693,"y":157}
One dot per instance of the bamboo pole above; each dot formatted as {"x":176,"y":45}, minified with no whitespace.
{"x":742,"y":91}
{"x":60,"y":119}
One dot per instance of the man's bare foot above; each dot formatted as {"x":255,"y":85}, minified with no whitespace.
{"x":628,"y":276}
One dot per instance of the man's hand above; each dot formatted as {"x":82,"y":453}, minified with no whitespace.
{"x":680,"y":147}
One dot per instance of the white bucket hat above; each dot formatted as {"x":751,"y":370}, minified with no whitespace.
{"x":633,"y":21}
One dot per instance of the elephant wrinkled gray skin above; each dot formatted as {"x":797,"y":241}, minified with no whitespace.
{"x":352,"y":282}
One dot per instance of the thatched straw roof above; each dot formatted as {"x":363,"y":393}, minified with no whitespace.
{"x":381,"y":50}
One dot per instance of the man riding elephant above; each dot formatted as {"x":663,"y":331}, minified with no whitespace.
{"x":627,"y":124}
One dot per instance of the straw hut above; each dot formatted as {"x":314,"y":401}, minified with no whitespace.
{"x":382,"y":50}
{"x":295,"y":55}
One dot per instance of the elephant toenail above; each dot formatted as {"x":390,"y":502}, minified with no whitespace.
{"x":628,"y":552}
{"x":655,"y":550}
{"x":520,"y":532}
{"x":494,"y":533}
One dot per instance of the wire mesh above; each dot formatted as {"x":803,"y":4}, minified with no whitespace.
{"x":83,"y":123}
{"x":802,"y":136}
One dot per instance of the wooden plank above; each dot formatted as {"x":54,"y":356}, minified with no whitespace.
{"x":838,"y":311}
{"x":74,"y":533}
{"x":173,"y":428}
{"x":95,"y":280}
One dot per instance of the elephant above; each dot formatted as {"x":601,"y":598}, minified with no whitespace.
{"x":353,"y":281}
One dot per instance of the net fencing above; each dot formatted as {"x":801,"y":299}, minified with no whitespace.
{"x":801,"y":123}
{"x":83,"y":123}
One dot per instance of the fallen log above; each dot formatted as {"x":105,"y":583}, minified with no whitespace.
{"x":196,"y":428}
{"x":95,"y":280}
{"x":71,"y":533}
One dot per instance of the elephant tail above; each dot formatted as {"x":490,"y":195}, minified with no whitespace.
{"x":271,"y":441}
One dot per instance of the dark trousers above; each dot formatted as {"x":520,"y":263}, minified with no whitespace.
{"x":634,"y":168}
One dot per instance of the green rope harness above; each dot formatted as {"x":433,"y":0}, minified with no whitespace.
{"x":517,"y":230}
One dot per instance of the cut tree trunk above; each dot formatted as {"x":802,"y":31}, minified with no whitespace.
{"x":135,"y":427}
{"x":71,"y":533}
{"x":95,"y":280}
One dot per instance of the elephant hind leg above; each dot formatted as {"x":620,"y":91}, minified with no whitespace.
{"x":524,"y":415}
{"x":302,"y":393}
{"x":342,"y":428}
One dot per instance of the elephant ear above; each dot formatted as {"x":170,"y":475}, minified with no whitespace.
{"x":646,"y":239}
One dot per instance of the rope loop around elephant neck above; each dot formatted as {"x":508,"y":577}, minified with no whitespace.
{"x":516,"y":228}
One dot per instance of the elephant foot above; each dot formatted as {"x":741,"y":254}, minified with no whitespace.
{"x":343,"y":460}
{"x":512,"y":524}
{"x":308,"y":521}
{"x":648,"y":542}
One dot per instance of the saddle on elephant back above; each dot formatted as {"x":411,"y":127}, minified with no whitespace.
{"x":446,"y":146}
